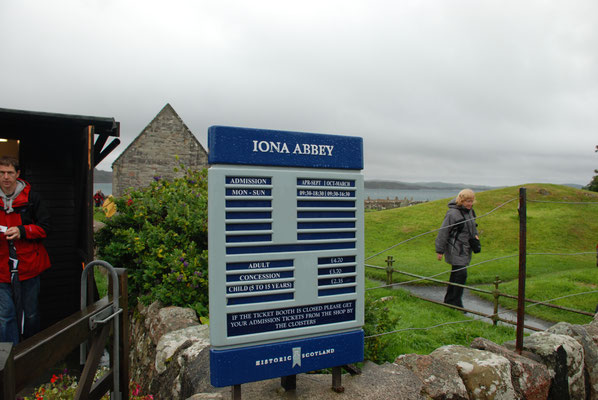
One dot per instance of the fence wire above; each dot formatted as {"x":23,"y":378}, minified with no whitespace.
{"x":472,"y":265}
{"x":477,"y":318}
{"x":562,"y":202}
{"x":436,"y":230}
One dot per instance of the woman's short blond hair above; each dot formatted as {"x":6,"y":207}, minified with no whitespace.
{"x":465,"y":194}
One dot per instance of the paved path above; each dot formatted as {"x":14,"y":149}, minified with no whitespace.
{"x":473,"y":302}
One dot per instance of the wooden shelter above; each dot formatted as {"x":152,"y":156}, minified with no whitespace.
{"x":57,"y":154}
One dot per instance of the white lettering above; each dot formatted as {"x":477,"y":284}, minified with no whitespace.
{"x":248,"y":181}
{"x":263,"y":146}
{"x":313,"y":149}
{"x":257,"y":277}
{"x":262,"y":264}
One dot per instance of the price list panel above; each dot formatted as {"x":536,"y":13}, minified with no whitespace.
{"x":289,"y":252}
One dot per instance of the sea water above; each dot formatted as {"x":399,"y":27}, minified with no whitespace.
{"x":374,"y":194}
{"x":106,"y":188}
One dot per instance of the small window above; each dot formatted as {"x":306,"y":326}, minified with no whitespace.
{"x":9,"y":147}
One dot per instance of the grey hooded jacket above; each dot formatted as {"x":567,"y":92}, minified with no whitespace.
{"x":456,"y":248}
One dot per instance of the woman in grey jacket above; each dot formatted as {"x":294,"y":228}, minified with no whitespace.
{"x":452,"y":242}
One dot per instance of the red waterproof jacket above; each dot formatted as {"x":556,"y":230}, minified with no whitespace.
{"x":33,"y":220}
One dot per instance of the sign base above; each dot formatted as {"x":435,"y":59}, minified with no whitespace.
{"x":255,"y":363}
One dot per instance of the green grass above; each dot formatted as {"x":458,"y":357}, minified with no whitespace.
{"x":98,"y":214}
{"x":101,"y":278}
{"x":556,"y":285}
{"x":100,"y":274}
{"x":413,"y":314}
{"x":551,"y":228}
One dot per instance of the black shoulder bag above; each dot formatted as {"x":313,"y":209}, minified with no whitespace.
{"x":474,"y":243}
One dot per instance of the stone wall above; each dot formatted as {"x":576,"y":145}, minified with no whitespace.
{"x":386,"y":204}
{"x":152,"y":153}
{"x":170,"y":359}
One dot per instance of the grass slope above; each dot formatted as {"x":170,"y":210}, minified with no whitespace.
{"x":421,"y":326}
{"x":551,"y":228}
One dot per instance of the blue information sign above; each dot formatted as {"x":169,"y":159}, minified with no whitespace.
{"x":285,"y":222}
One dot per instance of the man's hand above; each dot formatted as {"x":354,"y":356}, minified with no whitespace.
{"x":13,"y":233}
{"x":439,"y":256}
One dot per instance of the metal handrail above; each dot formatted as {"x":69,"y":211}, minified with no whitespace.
{"x":116,"y":310}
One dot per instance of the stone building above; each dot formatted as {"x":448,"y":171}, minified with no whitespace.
{"x":153,"y":153}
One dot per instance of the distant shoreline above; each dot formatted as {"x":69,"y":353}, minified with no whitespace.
{"x":397,"y":185}
{"x":374,"y":189}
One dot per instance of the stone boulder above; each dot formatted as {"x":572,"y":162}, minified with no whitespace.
{"x":142,"y":353}
{"x":179,"y":363}
{"x":169,"y":352}
{"x":590,"y":350}
{"x":440,"y":379}
{"x":564,"y":357}
{"x":486,"y":375}
{"x":169,"y":319}
{"x":207,"y":396}
{"x":592,"y":329}
{"x":531,"y":379}
{"x":193,"y":339}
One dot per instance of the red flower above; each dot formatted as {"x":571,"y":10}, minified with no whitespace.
{"x":129,"y":202}
{"x":54,"y":379}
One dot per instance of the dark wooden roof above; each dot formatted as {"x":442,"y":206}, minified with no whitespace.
{"x":103,"y":126}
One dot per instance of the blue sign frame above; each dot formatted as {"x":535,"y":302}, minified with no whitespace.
{"x":255,"y":363}
{"x":230,"y":145}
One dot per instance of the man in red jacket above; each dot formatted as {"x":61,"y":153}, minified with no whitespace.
{"x":24,"y":221}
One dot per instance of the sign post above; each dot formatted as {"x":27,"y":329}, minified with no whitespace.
{"x":285,"y":221}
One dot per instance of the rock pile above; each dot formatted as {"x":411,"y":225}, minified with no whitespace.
{"x":170,"y":359}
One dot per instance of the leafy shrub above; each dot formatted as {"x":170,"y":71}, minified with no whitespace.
{"x":377,"y":320}
{"x":159,"y":234}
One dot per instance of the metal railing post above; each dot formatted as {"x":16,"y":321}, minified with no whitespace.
{"x":389,"y":270}
{"x":115,"y":358}
{"x":522,"y":269}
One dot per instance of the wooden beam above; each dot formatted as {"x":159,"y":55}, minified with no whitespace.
{"x":7,"y":371}
{"x":43,"y":350}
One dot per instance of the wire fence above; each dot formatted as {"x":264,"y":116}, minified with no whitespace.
{"x":497,"y":315}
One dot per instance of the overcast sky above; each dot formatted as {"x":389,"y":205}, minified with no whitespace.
{"x":481,"y":92}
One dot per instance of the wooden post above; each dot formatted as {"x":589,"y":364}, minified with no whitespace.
{"x":7,"y":371}
{"x":495,"y":294}
{"x":522,"y":269}
{"x":236,"y":392}
{"x":389,"y":270}
{"x":288,"y":382}
{"x":124,"y":347}
{"x":336,"y":380}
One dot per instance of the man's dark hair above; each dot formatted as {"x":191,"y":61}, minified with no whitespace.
{"x":8,"y":161}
